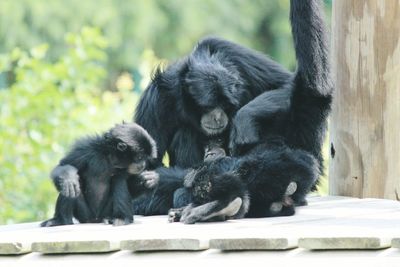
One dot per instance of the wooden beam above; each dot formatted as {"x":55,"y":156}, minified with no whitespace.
{"x":365,"y":122}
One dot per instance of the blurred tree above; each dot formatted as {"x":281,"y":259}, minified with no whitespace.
{"x":170,"y":28}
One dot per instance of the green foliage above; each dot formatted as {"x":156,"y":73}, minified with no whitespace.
{"x":170,"y":28}
{"x":45,"y":109}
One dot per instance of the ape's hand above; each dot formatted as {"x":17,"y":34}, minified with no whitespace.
{"x":244,"y":132}
{"x":150,"y":178}
{"x":66,"y":180}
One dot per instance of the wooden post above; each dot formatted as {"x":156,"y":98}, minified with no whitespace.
{"x":365,"y":122}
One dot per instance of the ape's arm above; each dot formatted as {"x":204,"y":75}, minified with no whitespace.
{"x":154,"y":111}
{"x":245,"y":125}
{"x":65,"y":175}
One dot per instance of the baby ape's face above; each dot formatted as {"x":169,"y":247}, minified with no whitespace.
{"x":130,"y":147}
{"x":214,"y":149}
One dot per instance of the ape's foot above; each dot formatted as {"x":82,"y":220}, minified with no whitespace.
{"x":55,"y":222}
{"x":174,"y":215}
{"x":118,"y":221}
{"x":276,"y":208}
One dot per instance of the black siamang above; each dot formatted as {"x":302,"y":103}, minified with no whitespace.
{"x":264,"y":183}
{"x":194,"y":99}
{"x":297,"y":113}
{"x":99,"y":176}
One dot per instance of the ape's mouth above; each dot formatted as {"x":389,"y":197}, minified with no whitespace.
{"x":214,"y":154}
{"x":136,"y":168}
{"x":214,"y":129}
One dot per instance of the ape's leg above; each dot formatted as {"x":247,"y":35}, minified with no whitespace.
{"x":216,"y":209}
{"x":64,"y":212}
{"x":82,"y":211}
{"x":182,"y":198}
{"x":122,"y":212}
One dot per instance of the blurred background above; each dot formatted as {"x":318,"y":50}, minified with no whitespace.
{"x":70,"y":68}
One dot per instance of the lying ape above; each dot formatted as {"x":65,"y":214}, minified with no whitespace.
{"x":97,"y":178}
{"x":263,"y":183}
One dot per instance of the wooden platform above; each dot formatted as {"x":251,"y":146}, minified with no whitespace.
{"x":328,"y":226}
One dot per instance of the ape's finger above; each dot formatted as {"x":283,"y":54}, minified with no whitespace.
{"x":71,"y":191}
{"x":77,"y":189}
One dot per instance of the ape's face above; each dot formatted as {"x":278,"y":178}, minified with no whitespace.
{"x":215,"y":148}
{"x":211,"y":96}
{"x":214,"y":121}
{"x":130,"y":147}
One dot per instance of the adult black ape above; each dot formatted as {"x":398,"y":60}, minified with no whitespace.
{"x":195,"y":98}
{"x":97,"y":178}
{"x":296,"y":113}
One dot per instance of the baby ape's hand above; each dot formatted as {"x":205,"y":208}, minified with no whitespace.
{"x":189,"y":215}
{"x":174,"y":215}
{"x":150,"y":178}
{"x":66,"y":179}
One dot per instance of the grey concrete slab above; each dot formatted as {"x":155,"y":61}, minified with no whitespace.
{"x":345,"y":242}
{"x":165,"y":244}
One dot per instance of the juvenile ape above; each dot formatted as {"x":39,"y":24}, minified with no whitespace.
{"x":98,"y":176}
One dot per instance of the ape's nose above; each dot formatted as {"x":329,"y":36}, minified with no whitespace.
{"x":218,"y":116}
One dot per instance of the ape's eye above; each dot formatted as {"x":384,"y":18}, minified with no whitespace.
{"x":140,"y":158}
{"x":219,"y":140}
{"x":122,"y":146}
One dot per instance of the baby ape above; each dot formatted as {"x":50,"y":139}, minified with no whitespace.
{"x":262,"y":183}
{"x":97,"y":178}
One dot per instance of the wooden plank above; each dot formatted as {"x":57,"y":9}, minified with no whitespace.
{"x":364,"y":127}
{"x":78,"y":246}
{"x":396,"y":242}
{"x":344,"y":242}
{"x":253,"y":243}
{"x":14,"y":248}
{"x":164,"y":244}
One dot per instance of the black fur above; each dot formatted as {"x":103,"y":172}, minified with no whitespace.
{"x":218,"y":74}
{"x":266,"y":101}
{"x":297,"y":113}
{"x":97,"y":178}
{"x":231,"y":188}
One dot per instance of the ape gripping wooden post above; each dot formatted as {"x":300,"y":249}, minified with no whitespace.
{"x":365,"y":121}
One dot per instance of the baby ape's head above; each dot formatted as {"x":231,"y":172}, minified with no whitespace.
{"x":212,"y":94}
{"x":215,"y":149}
{"x":130,"y":147}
